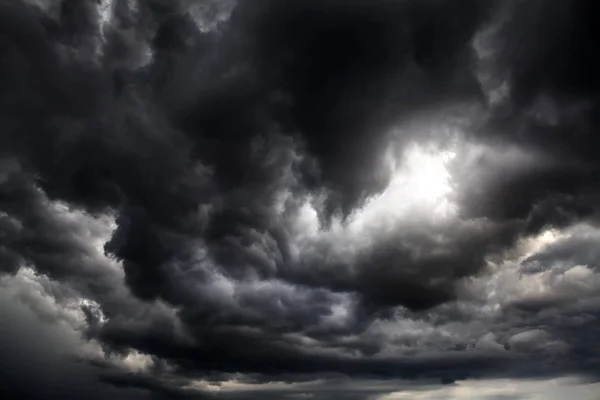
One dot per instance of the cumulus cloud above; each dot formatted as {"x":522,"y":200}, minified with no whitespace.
{"x":299,"y":198}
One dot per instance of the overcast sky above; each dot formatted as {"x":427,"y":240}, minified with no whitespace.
{"x":299,"y":199}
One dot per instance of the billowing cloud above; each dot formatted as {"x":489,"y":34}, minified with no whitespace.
{"x":282,"y":199}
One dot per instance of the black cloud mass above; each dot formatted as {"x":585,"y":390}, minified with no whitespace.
{"x":325,"y":199}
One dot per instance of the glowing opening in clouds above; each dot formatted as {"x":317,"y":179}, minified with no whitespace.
{"x":421,"y":183}
{"x":420,"y":190}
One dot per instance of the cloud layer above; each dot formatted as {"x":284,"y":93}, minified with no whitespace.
{"x":279,"y":198}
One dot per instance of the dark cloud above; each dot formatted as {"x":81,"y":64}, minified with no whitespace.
{"x":214,"y":180}
{"x":547,"y":105}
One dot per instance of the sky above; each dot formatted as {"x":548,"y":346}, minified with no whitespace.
{"x":299,"y":199}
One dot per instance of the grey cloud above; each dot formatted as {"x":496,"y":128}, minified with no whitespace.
{"x":578,"y":248}
{"x":189,"y":139}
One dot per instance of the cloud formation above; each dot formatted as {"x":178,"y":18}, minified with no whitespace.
{"x":278,"y":198}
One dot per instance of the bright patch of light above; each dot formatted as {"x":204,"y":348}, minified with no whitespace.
{"x":527,"y":247}
{"x":203,"y":386}
{"x":137,"y":362}
{"x":210,"y":14}
{"x":106,"y":10}
{"x":551,"y":389}
{"x":420,"y":184}
{"x":420,"y":190}
{"x":94,"y":308}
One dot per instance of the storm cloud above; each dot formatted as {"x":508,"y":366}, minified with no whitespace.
{"x":282,"y":198}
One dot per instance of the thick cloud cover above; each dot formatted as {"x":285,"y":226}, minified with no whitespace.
{"x":280,"y":198}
